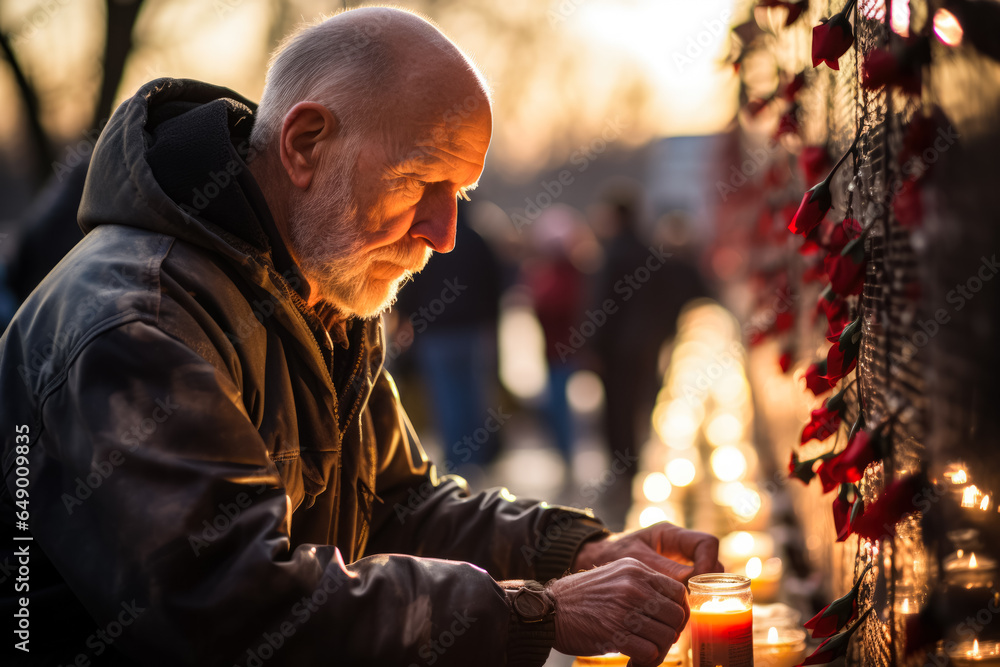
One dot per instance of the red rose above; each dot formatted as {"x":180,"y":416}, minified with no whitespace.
{"x":823,"y":424}
{"x":840,"y":236}
{"x":814,"y":207}
{"x":831,"y":39}
{"x":843,"y":354}
{"x":864,"y":448}
{"x":816,"y":378}
{"x":907,"y":204}
{"x":847,"y":269}
{"x":857,"y":509}
{"x":897,"y":499}
{"x":847,"y":507}
{"x":837,"y":325}
{"x":885,"y":68}
{"x":825,"y":419}
{"x":826,"y":481}
{"x":814,"y":161}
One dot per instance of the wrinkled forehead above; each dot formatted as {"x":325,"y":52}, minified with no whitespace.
{"x":423,"y":129}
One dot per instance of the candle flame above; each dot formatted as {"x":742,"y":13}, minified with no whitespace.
{"x":970,"y":496}
{"x":986,"y":503}
{"x":972,"y":560}
{"x":754,"y":567}
{"x":906,"y":606}
{"x":959,"y":477}
{"x":772,"y":635}
{"x":721,"y":605}
{"x":975,"y":647}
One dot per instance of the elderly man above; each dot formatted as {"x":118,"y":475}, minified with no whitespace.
{"x":205,"y":462}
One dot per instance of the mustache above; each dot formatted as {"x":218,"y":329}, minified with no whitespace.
{"x":410,"y":256}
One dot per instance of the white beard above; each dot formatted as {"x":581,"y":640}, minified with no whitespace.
{"x":328,"y":240}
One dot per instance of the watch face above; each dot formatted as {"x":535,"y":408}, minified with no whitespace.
{"x":531,"y":605}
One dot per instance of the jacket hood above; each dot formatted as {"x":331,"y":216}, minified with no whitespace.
{"x":172,"y":159}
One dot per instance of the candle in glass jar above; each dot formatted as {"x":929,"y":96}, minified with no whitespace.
{"x":779,"y":647}
{"x":975,"y":653}
{"x":969,"y":570}
{"x":721,"y":620}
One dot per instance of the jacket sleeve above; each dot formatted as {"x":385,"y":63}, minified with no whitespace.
{"x":184,"y":521}
{"x":426,"y":515}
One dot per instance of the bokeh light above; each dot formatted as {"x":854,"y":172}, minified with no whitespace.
{"x":728,"y":465}
{"x":656,"y":487}
{"x":947,"y":28}
{"x":681,"y":472}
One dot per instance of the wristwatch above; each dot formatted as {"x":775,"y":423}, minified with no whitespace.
{"x":532,"y":602}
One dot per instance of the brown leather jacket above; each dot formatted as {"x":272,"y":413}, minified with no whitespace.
{"x":211,"y":477}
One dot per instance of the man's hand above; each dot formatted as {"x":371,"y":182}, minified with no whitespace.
{"x":624,"y":606}
{"x":673,"y":551}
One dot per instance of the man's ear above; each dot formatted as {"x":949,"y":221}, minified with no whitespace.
{"x":306,"y":127}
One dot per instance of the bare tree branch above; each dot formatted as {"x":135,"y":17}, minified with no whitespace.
{"x":39,"y":139}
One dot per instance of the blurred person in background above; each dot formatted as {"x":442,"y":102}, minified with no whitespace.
{"x":649,"y":280}
{"x":451,"y":310}
{"x":562,"y":247}
{"x":218,"y":464}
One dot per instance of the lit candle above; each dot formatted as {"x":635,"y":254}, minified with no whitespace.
{"x":969,"y":571}
{"x":765,"y":578}
{"x":674,"y":659}
{"x":970,"y":654}
{"x":780,"y":647}
{"x":721,"y":620}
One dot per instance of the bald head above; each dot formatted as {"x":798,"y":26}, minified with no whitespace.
{"x":373,"y":67}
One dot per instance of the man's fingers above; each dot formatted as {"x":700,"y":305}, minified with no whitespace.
{"x":700,"y":548}
{"x":642,"y":652}
{"x":665,"y":611}
{"x":668,"y":584}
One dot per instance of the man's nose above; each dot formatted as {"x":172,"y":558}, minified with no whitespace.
{"x":436,"y":219}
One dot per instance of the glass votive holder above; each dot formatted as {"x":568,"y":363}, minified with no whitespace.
{"x":975,"y":654}
{"x":778,"y":646}
{"x":969,"y":570}
{"x":721,"y":620}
